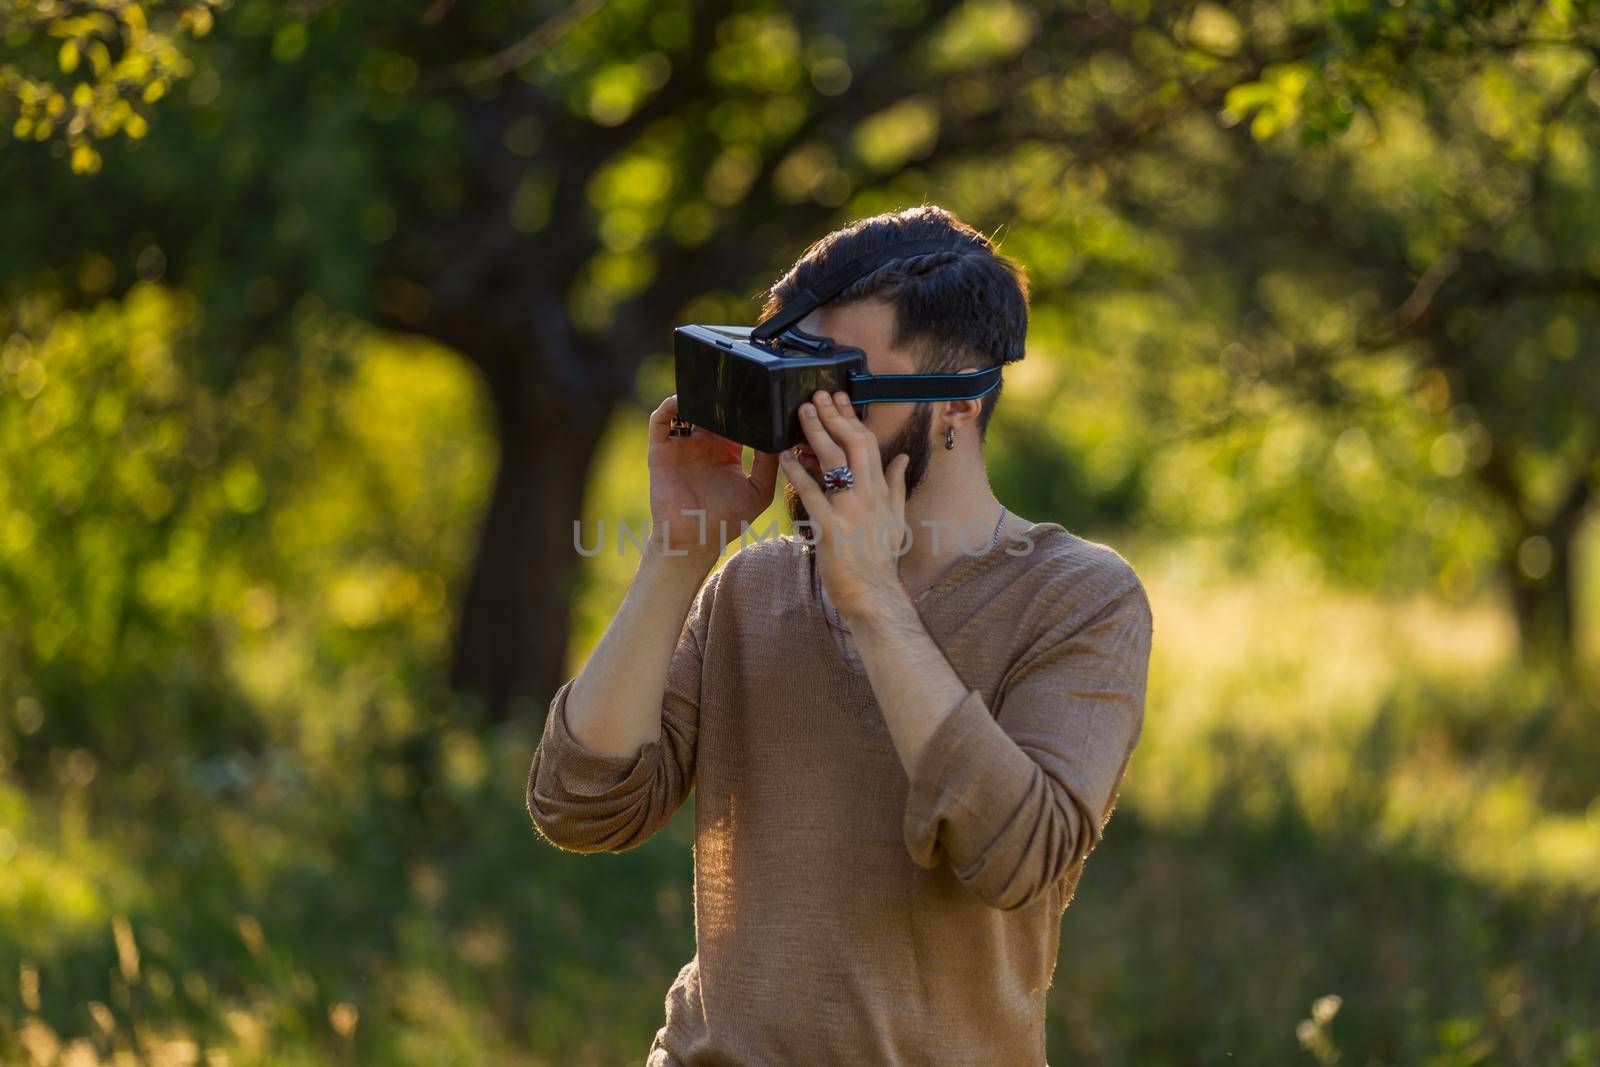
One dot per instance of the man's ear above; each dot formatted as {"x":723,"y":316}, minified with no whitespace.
{"x":960,"y":414}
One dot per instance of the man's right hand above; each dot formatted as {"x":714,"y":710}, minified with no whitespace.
{"x":702,"y":472}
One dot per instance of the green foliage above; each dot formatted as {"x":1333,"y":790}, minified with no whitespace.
{"x":130,"y":62}
{"x":1202,"y":278}
{"x":153,"y":525}
{"x":1372,"y":50}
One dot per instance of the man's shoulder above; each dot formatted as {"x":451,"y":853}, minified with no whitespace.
{"x":1058,"y":557}
{"x":766,"y":563}
{"x":1071,"y":579}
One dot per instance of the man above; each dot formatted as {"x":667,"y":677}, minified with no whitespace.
{"x":903,"y":745}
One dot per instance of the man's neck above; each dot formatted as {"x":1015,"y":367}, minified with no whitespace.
{"x":951,"y":514}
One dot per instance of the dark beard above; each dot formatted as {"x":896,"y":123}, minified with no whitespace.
{"x":912,"y":440}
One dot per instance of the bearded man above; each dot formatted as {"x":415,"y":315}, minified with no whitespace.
{"x":905,"y":730}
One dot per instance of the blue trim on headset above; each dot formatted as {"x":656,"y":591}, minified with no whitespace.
{"x":923,"y":399}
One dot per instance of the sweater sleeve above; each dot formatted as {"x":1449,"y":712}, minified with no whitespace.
{"x":1017,"y":798}
{"x":583,"y":801}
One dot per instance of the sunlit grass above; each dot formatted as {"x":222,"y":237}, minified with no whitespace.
{"x":1307,"y":680}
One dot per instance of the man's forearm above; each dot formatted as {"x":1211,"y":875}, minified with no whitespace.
{"x":614,"y":705}
{"x":915,"y":685}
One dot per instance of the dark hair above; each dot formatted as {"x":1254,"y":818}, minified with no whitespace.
{"x":952,"y":309}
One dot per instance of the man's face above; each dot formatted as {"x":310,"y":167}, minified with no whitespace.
{"x":899,"y":427}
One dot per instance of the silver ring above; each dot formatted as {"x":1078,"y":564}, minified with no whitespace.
{"x":837,"y":478}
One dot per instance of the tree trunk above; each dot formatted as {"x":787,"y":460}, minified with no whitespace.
{"x":511,"y":627}
{"x":1544,"y":607}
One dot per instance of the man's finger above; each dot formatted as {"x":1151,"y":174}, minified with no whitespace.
{"x":764,"y":473}
{"x":848,"y":415}
{"x":829,"y":454}
{"x":816,"y":500}
{"x":859,"y":445}
{"x":894,"y":477}
{"x":661,"y":418}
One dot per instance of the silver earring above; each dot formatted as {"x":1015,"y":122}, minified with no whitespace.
{"x":950,"y":439}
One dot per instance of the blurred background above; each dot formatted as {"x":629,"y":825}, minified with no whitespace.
{"x":323,"y":320}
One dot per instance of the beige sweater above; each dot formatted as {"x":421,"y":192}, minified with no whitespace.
{"x":843,"y":914}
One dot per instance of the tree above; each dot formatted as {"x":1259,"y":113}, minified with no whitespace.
{"x":125,"y":64}
{"x":1455,"y":206}
{"x":551,"y":210}
{"x":548,"y":192}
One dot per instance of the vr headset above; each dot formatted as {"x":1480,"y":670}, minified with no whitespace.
{"x":747,"y":383}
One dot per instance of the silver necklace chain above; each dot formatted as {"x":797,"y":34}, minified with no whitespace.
{"x":995,"y":540}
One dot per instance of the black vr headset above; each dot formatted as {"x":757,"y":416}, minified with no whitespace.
{"x":747,"y":383}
